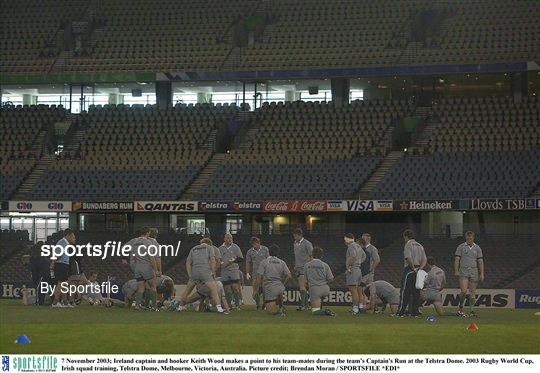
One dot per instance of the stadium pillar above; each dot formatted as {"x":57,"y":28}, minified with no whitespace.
{"x":340,"y":91}
{"x":520,"y":87}
{"x":29,"y":99}
{"x":164,"y":94}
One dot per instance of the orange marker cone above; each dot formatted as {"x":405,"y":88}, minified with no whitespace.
{"x":472,"y":326}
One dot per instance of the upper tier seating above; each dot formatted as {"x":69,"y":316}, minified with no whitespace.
{"x":170,"y":35}
{"x":135,"y":153}
{"x":307,"y":150}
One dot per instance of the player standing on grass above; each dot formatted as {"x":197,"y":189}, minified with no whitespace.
{"x":201,"y":267}
{"x":144,"y":269}
{"x":434,"y":283}
{"x":414,"y":260}
{"x":231,"y":255}
{"x":318,"y":275}
{"x":469,"y":267}
{"x":61,"y":268}
{"x":353,"y":275}
{"x":372,"y":261}
{"x":273,"y":274}
{"x":254,"y":257}
{"x":303,"y":251}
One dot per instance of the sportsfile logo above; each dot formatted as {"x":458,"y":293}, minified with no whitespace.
{"x":45,"y":363}
{"x":5,"y":363}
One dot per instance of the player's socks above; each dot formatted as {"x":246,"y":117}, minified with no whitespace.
{"x":461,"y":300}
{"x":228,"y":297}
{"x":138,"y":299}
{"x":236,"y":297}
{"x":152,"y":299}
{"x":303,"y":298}
{"x":472,"y":301}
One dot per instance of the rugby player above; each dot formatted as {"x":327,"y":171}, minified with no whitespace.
{"x":434,"y":283}
{"x":61,"y":268}
{"x":144,"y":268}
{"x":254,"y":257}
{"x":353,"y":275}
{"x":231,"y":255}
{"x":318,"y":275}
{"x":381,"y":292}
{"x":152,"y":236}
{"x":201,"y":267}
{"x":469,"y":267}
{"x":273,"y":274}
{"x":303,"y":251}
{"x":372,"y":253}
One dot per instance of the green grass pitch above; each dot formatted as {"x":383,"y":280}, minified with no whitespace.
{"x":98,"y":330}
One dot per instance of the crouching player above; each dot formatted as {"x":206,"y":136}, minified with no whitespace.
{"x":381,"y":292}
{"x":318,"y":275}
{"x":201,"y":267}
{"x":165,"y":289}
{"x":434,"y":283}
{"x":273,"y":274}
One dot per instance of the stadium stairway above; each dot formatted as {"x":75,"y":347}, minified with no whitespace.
{"x":195,"y":188}
{"x":27,"y":186}
{"x":386,"y":165}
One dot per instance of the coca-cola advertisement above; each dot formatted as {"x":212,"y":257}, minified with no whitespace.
{"x":279,"y":206}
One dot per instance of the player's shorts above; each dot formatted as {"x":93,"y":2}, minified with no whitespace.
{"x":469,"y":273}
{"x":61,"y":272}
{"x":204,"y":292}
{"x":318,"y":291}
{"x":353,"y":277}
{"x":433,"y":296}
{"x":367,"y":279}
{"x":230,"y":277}
{"x":201,"y":276}
{"x":143,"y":272}
{"x":299,"y":271}
{"x":272,"y":291}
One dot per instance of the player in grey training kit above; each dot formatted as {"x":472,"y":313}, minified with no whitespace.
{"x":231,"y":255}
{"x":434,"y":283}
{"x":318,"y":275}
{"x":201,"y":267}
{"x":353,"y":275}
{"x":414,"y":260}
{"x":303,"y":251}
{"x":374,"y":258}
{"x":254,"y":257}
{"x":469,"y":267}
{"x":385,"y":292}
{"x":144,"y":268}
{"x":273,"y":274}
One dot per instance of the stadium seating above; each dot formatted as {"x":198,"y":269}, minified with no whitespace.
{"x":135,"y":153}
{"x":308,"y":150}
{"x":25,"y":134}
{"x":478,"y":148}
{"x":168,"y":35}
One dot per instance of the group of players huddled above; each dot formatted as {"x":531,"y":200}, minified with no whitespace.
{"x":216,"y":280}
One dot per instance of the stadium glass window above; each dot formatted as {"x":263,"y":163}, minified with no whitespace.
{"x":233,"y":224}
{"x":322,"y":95}
{"x":356,"y":94}
{"x":4,"y":223}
